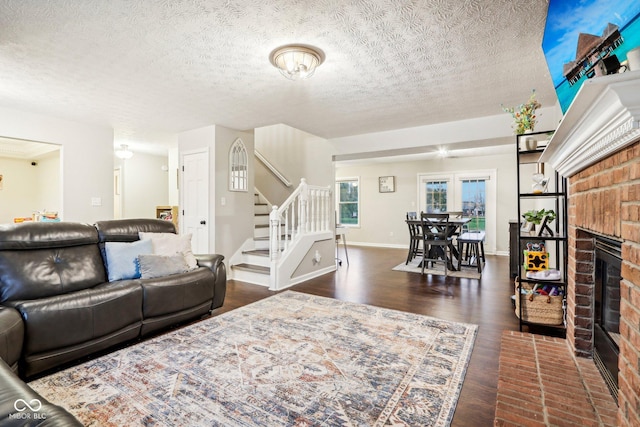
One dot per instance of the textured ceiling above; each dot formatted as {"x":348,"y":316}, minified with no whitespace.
{"x":152,"y":68}
{"x":22,"y":149}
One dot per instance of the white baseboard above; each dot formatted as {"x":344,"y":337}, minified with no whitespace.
{"x":397,"y":246}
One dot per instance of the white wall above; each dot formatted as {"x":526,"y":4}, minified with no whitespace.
{"x":87,"y":160}
{"x":144,"y":184}
{"x":232,"y":223}
{"x":173,"y":160}
{"x":382,"y":214}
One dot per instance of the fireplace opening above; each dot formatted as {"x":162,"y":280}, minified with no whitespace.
{"x":608,"y":255}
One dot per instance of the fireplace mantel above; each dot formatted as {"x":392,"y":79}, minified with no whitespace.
{"x":603,"y":118}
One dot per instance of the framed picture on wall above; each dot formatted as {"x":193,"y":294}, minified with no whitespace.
{"x":387,"y":184}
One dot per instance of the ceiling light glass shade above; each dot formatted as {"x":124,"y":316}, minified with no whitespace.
{"x":124,"y":152}
{"x":296,"y":62}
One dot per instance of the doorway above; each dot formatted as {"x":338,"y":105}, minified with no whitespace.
{"x":471,"y":192}
{"x":31,"y":179}
{"x":194,"y":193}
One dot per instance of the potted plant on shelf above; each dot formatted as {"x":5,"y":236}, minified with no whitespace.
{"x":524,"y":115}
{"x":537,"y":217}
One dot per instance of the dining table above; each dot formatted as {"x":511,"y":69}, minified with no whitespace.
{"x":455,"y":227}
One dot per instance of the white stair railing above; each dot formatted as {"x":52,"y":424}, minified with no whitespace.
{"x":306,"y":211}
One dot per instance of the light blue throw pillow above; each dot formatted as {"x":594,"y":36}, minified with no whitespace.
{"x":122,"y":258}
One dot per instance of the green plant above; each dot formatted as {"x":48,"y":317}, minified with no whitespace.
{"x":535,"y":217}
{"x":524,"y":115}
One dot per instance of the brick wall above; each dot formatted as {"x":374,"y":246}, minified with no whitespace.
{"x":605,"y":199}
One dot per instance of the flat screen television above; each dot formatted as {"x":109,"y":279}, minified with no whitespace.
{"x":588,"y":38}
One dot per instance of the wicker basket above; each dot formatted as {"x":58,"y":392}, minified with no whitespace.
{"x":540,"y":309}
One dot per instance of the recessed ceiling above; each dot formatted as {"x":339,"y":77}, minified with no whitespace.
{"x":151,"y":68}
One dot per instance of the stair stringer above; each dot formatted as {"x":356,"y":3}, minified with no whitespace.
{"x":283,"y":268}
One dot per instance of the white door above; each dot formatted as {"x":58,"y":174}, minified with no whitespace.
{"x":472,"y":192}
{"x":195,"y":199}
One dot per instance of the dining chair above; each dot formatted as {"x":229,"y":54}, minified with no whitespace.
{"x":436,"y":232}
{"x":457,"y":215}
{"x":415,"y":238}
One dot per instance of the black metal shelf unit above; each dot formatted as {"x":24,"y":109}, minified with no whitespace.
{"x":550,"y":195}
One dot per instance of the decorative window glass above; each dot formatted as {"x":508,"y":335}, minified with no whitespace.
{"x":436,"y":196}
{"x":474,"y":196}
{"x":238,"y":167}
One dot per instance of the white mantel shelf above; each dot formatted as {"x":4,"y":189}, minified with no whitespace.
{"x":603,"y":118}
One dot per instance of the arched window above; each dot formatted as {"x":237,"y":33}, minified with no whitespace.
{"x":238,"y":167}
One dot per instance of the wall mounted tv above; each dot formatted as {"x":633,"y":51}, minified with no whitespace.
{"x":588,"y":38}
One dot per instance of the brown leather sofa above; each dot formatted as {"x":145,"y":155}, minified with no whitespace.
{"x":57,"y":305}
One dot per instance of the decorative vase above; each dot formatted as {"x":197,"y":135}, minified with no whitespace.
{"x":530,"y":143}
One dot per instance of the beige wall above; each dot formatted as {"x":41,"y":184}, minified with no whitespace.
{"x":234,"y":219}
{"x":144,"y":184}
{"x":27,"y":189}
{"x":230,"y":212}
{"x":87,"y":160}
{"x":382,"y":214}
{"x":296,"y":154}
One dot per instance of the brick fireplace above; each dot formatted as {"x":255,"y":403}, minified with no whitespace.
{"x":597,"y":146}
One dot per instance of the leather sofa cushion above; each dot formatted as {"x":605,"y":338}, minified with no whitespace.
{"x":37,"y":235}
{"x":11,"y":335}
{"x":128,"y":230}
{"x":13,"y":391}
{"x":82,"y":316}
{"x":43,"y":259}
{"x":41,"y":273}
{"x":171,"y":294}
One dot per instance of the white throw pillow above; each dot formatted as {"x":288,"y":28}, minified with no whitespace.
{"x":168,"y":244}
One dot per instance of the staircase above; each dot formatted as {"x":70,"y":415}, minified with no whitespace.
{"x":282,"y":238}
{"x":254,"y":265}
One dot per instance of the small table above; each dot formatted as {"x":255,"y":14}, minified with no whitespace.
{"x":455,"y":224}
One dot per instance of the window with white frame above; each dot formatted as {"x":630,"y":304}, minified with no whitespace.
{"x":348,"y":201}
{"x":238,"y":166}
{"x":474,"y":193}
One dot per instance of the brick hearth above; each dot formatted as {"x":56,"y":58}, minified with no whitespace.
{"x":542,"y":383}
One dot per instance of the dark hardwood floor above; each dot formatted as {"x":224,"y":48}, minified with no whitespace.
{"x":369,"y":280}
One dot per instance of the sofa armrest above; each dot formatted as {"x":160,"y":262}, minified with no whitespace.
{"x":11,"y":336}
{"x":215,"y":264}
{"x":20,"y":405}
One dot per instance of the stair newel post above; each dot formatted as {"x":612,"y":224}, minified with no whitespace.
{"x":304,"y":206}
{"x":274,"y":233}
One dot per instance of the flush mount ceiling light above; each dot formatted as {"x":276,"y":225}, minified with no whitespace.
{"x":443,"y":152}
{"x":296,"y":62}
{"x":124,"y":152}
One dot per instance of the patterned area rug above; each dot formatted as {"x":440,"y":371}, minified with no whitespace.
{"x":291,"y":359}
{"x":413,"y":267}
